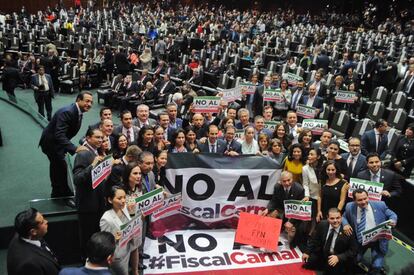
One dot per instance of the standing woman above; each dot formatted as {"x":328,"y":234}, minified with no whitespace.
{"x":159,"y":167}
{"x":111,"y":221}
{"x":295,"y":162}
{"x":283,"y":106}
{"x":249,"y":145}
{"x":145,"y":139}
{"x":310,"y":180}
{"x":178,"y":142}
{"x":333,"y":191}
{"x":281,"y":134}
{"x":121,"y":145}
{"x":305,"y":139}
{"x":333,"y":154}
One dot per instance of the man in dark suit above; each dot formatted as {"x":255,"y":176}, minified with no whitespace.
{"x":10,"y":79}
{"x":42,"y":85}
{"x":329,"y":249}
{"x":361,"y":215}
{"x":100,"y":252}
{"x":175,"y":122}
{"x":297,"y":95}
{"x":355,"y":161}
{"x":312,"y":100}
{"x":167,"y":88}
{"x":233,"y":147}
{"x":127,"y":128}
{"x":369,"y":67}
{"x":320,"y":83}
{"x":322,"y":61}
{"x":391,"y":180}
{"x":55,"y":141}
{"x":89,"y":201}
{"x":28,"y":252}
{"x":408,"y":86}
{"x":376,"y":140}
{"x":212,"y":144}
{"x":121,"y":62}
{"x":257,"y":103}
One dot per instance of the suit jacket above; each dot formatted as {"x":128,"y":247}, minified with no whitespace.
{"x":118,"y":130}
{"x":64,"y":125}
{"x":151,"y":182}
{"x":369,"y":143}
{"x":152,"y":122}
{"x":371,"y":65}
{"x":84,"y":271}
{"x":88,"y":200}
{"x":234,"y":145}
{"x":345,"y":247}
{"x":178,"y":124}
{"x":220,"y":148}
{"x":296,"y":192}
{"x":317,"y":102}
{"x":322,"y":92}
{"x":360,"y":165}
{"x":34,"y":82}
{"x":322,"y":61}
{"x":24,"y":258}
{"x":381,"y":214}
{"x":110,"y":222}
{"x":10,"y":78}
{"x":389,"y":178}
{"x":169,"y":88}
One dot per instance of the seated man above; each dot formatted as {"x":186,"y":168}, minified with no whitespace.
{"x":287,"y":190}
{"x":361,"y":215}
{"x":329,"y":249}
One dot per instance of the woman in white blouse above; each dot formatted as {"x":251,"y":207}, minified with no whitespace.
{"x":310,"y":181}
{"x":111,"y":221}
{"x":249,"y":144}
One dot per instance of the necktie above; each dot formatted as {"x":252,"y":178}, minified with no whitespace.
{"x":129,"y":136}
{"x":295,"y":98}
{"x":375,"y":178}
{"x":328,"y":244}
{"x":45,"y":247}
{"x":361,"y":225}
{"x":147,"y":184}
{"x":213,"y":148}
{"x":286,"y":193}
{"x":80,"y":118}
{"x":410,"y":83}
{"x":351,"y":166}
{"x":379,"y":141}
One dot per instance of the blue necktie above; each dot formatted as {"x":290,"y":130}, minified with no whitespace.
{"x":361,"y":225}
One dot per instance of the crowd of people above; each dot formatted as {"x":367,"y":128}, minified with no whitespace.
{"x":155,"y":56}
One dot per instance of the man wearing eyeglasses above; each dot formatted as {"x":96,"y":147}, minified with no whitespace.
{"x":355,"y":160}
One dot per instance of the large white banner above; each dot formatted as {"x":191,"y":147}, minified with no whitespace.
{"x":218,"y":188}
{"x":192,"y":251}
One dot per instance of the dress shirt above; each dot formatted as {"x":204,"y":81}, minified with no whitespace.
{"x":378,"y":174}
{"x":131,"y":133}
{"x":43,"y":80}
{"x":336,"y":230}
{"x":369,"y":217}
{"x":34,"y":242}
{"x":310,"y":101}
{"x":355,"y":160}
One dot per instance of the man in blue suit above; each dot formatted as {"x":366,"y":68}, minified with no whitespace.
{"x":376,"y":139}
{"x":55,"y":141}
{"x":312,"y":100}
{"x":233,"y":147}
{"x":362,"y":214}
{"x":42,"y":85}
{"x":100,"y":252}
{"x":355,"y":161}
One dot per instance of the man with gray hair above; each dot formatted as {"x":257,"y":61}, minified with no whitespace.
{"x":143,"y":117}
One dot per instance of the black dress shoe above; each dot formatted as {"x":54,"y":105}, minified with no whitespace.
{"x":144,"y":256}
{"x":141,"y":266}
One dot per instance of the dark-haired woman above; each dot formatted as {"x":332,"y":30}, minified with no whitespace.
{"x":121,"y":145}
{"x":159,"y":167}
{"x":281,"y":134}
{"x":295,"y":161}
{"x":145,"y":139}
{"x":191,"y":139}
{"x":333,"y":154}
{"x":111,"y":221}
{"x":333,"y":191}
{"x":178,"y":142}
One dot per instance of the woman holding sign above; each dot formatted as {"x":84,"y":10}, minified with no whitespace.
{"x":111,"y":221}
{"x":282,"y":107}
{"x":333,"y":191}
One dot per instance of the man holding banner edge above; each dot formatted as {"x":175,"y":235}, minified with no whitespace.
{"x":361,"y":215}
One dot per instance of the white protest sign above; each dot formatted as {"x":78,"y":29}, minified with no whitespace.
{"x":239,"y":135}
{"x":315,"y":125}
{"x":206,"y":104}
{"x":345,"y":96}
{"x":374,"y":189}
{"x":299,"y":210}
{"x":231,"y":95}
{"x":101,"y":171}
{"x":271,"y":125}
{"x":172,"y":203}
{"x":272,"y":95}
{"x":247,"y":88}
{"x":292,"y":78}
{"x":130,"y":230}
{"x":305,"y":111}
{"x":381,"y":231}
{"x":150,"y":202}
{"x":343,"y":145}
